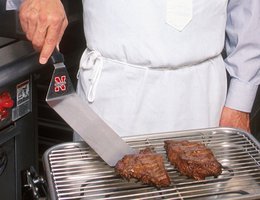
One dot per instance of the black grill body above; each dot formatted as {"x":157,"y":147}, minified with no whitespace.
{"x":18,"y":131}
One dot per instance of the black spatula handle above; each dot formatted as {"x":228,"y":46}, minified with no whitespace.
{"x":56,"y":57}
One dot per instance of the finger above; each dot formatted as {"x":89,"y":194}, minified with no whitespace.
{"x":63,"y":28}
{"x":40,"y":35}
{"x":50,"y":42}
{"x":32,"y":23}
{"x":23,"y":18}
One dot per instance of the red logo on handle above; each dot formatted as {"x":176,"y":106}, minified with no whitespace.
{"x":60,"y":83}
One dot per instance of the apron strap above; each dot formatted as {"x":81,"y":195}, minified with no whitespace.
{"x":92,"y":60}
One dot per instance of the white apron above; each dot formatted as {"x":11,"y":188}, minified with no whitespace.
{"x":154,"y":65}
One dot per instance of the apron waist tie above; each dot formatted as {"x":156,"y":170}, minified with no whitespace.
{"x":92,"y":60}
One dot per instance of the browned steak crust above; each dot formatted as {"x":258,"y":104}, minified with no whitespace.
{"x":146,"y":166}
{"x":192,"y":159}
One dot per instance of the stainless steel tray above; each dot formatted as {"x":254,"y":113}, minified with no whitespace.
{"x":74,"y":171}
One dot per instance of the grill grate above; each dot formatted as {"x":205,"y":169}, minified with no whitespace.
{"x":74,"y":171}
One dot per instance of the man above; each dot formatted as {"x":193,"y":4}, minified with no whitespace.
{"x":155,"y":66}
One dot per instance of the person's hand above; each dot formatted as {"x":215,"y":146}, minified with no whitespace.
{"x":44,"y":22}
{"x":234,"y":118}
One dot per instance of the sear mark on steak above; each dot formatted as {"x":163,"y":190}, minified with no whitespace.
{"x":146,"y":166}
{"x":192,"y":159}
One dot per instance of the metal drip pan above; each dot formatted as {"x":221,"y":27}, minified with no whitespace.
{"x":74,"y":171}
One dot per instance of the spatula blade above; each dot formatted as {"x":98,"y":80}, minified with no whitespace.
{"x":77,"y":113}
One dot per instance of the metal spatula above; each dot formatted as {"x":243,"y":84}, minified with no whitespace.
{"x":77,"y":113}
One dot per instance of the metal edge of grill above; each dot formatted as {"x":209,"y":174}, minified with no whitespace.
{"x":204,"y":135}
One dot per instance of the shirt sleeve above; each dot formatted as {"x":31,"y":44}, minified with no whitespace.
{"x":243,"y":53}
{"x":13,"y":4}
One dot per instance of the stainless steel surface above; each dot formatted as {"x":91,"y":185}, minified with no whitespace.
{"x":78,"y":114}
{"x":74,"y":171}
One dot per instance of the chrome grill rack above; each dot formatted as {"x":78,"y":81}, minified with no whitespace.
{"x":74,"y":171}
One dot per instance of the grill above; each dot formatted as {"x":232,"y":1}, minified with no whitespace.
{"x":75,"y":171}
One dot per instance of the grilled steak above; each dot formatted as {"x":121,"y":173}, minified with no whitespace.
{"x":192,"y":159}
{"x":146,"y":166}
